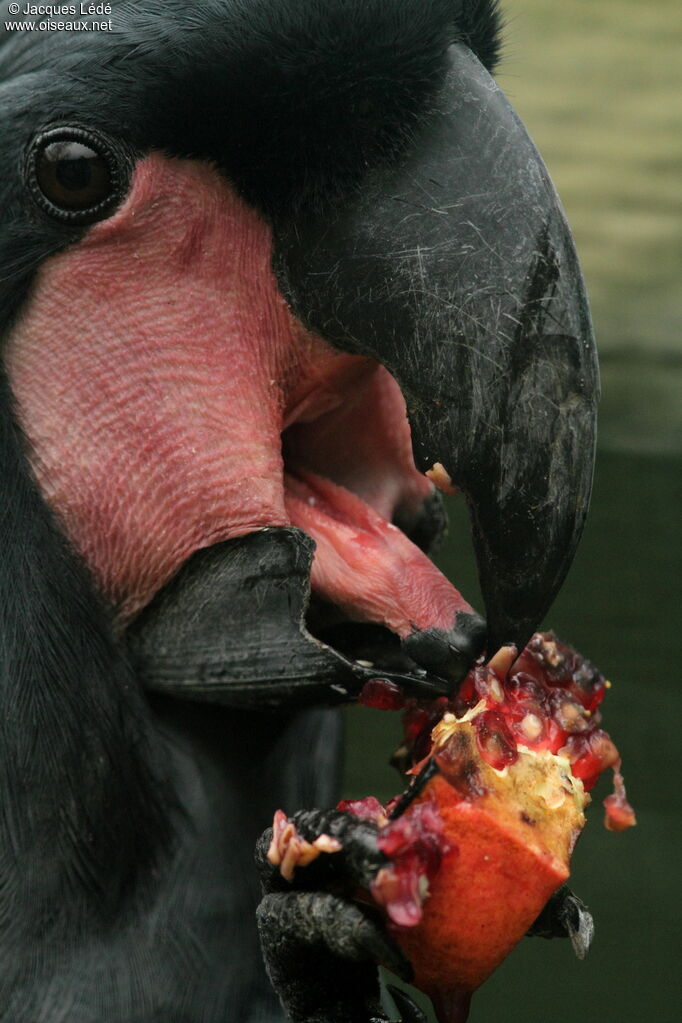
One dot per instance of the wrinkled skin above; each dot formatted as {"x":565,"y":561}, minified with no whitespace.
{"x":236,"y":374}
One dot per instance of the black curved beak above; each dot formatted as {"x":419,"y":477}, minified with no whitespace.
{"x":457,"y":271}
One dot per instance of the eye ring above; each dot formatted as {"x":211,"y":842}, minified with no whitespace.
{"x":75,"y":174}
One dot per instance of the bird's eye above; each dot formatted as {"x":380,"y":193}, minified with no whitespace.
{"x":75,"y":174}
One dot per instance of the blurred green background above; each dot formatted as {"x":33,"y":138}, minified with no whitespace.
{"x":598,"y":84}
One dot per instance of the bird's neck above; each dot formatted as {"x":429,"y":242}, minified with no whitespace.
{"x":82,"y":812}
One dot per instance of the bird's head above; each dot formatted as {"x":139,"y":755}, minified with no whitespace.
{"x":270,"y":272}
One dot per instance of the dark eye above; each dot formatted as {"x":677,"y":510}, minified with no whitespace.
{"x":75,"y":174}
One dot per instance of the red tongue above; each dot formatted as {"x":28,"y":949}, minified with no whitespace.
{"x":364,"y":564}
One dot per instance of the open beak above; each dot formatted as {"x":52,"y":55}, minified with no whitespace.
{"x":456,"y":270}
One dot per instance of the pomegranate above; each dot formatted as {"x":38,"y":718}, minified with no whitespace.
{"x":485,"y":834}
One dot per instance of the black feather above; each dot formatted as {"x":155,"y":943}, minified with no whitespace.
{"x":297,"y":100}
{"x":126,"y":887}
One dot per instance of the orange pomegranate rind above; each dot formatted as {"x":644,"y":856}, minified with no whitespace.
{"x":513,"y":831}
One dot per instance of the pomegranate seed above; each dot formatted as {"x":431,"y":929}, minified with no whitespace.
{"x":494,"y":739}
{"x":381,"y":694}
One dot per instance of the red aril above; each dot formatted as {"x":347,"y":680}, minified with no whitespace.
{"x":503,"y":772}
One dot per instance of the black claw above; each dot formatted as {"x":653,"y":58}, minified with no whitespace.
{"x":395,"y":960}
{"x":410,"y":1012}
{"x":566,"y":916}
{"x":448,"y":654}
{"x":580,"y":925}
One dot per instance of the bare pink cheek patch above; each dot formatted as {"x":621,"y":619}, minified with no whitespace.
{"x":155,"y":369}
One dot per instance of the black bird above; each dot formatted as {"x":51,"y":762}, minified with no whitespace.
{"x":238,"y":239}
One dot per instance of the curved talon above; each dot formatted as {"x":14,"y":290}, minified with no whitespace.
{"x":565,"y":916}
{"x":409,"y":1011}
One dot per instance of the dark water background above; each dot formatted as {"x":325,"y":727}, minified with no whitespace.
{"x":600,"y":86}
{"x":618,"y":605}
